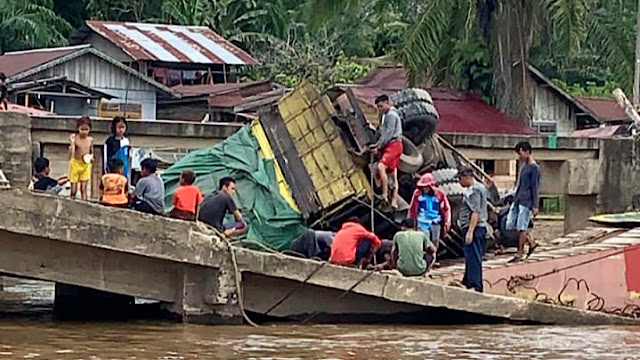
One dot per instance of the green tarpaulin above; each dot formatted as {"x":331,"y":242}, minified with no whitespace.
{"x":271,"y":220}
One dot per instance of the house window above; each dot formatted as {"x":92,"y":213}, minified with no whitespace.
{"x":545,"y":127}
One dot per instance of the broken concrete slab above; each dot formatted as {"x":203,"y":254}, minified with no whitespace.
{"x":190,"y":269}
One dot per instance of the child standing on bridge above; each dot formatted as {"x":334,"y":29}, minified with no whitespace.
{"x":117,"y":145}
{"x":80,"y":157}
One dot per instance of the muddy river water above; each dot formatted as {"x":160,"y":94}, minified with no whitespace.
{"x":43,"y":339}
{"x":27,"y":331}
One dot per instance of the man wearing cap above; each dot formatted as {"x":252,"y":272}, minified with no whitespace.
{"x":472,"y":219}
{"x":430,"y":209}
{"x":390,"y":144}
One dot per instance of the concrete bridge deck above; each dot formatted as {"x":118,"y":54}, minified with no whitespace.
{"x":192,"y":272}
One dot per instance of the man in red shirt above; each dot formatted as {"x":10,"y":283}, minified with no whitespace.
{"x":353,"y":244}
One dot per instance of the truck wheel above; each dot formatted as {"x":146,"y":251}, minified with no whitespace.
{"x":445,"y":176}
{"x":419,"y":116}
{"x":411,"y":158}
{"x":432,"y":154}
{"x":407,"y":186}
{"x":453,"y":189}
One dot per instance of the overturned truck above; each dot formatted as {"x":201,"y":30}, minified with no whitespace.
{"x":320,"y":142}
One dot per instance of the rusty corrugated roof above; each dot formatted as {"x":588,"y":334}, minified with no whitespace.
{"x":604,"y":109}
{"x":171,"y":43}
{"x":460,"y":111}
{"x":233,"y":95}
{"x":13,"y":63}
{"x":217,"y":89}
{"x":599,"y":132}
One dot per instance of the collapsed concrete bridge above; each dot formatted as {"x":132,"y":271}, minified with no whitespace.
{"x":194,"y":275}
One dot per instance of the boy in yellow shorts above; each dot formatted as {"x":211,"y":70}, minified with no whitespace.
{"x":80,"y":157}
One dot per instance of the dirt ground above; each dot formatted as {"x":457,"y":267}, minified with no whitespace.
{"x":544,"y":231}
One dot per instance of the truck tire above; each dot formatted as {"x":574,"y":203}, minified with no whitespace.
{"x":411,"y":158}
{"x":419,"y":116}
{"x":406,"y":96}
{"x":445,"y":176}
{"x":432,"y":154}
{"x":507,"y":238}
{"x":407,"y":183}
{"x":453,"y":189}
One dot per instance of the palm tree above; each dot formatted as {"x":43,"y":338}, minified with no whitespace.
{"x":26,"y":24}
{"x":186,"y":12}
{"x":508,"y":29}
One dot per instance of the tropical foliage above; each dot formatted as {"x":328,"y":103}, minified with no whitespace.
{"x":585,"y":40}
{"x":30,"y":24}
{"x":483,"y":45}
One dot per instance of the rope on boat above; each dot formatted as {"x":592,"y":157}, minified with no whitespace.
{"x":595,"y":303}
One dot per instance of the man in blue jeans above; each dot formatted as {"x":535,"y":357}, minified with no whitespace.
{"x":472,"y":219}
{"x":525,"y":201}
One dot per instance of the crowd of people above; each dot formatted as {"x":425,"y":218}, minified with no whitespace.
{"x":148,"y":195}
{"x":412,"y":251}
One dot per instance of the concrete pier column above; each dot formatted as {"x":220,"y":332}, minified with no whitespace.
{"x":77,"y":302}
{"x":15,"y":148}
{"x":207,"y":296}
{"x":577,"y":211}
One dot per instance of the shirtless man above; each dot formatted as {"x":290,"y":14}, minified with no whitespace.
{"x":80,"y":157}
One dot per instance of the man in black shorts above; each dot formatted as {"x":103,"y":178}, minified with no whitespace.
{"x":215,"y":207}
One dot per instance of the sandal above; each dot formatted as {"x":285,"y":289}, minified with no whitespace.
{"x":531,"y":250}
{"x":516,"y":259}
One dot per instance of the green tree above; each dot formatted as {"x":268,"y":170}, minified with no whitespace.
{"x":442,"y":31}
{"x":74,"y":11}
{"x":232,"y":17}
{"x":317,"y":58}
{"x":124,"y":10}
{"x":28,"y":24}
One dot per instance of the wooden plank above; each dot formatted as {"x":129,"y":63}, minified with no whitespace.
{"x":293,"y":168}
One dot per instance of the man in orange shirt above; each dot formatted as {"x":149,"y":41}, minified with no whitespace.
{"x":353,"y":244}
{"x":114,"y":186}
{"x":186,"y":198}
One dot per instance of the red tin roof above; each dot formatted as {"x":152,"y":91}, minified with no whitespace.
{"x":13,"y":63}
{"x":231,"y":95}
{"x":216,"y":89}
{"x":604,"y":109}
{"x":171,"y":43}
{"x":460,"y":111}
{"x":599,"y":132}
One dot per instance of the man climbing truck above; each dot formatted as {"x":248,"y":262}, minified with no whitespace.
{"x":391,"y":147}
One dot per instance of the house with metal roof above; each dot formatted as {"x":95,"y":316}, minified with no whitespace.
{"x":230,"y":102}
{"x":80,"y":80}
{"x":613,"y":120}
{"x":170,"y":54}
{"x":554,"y":110}
{"x":607,"y":111}
{"x":460,"y":111}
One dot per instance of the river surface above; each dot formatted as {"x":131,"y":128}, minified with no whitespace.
{"x":42,"y":339}
{"x":27,"y":332}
